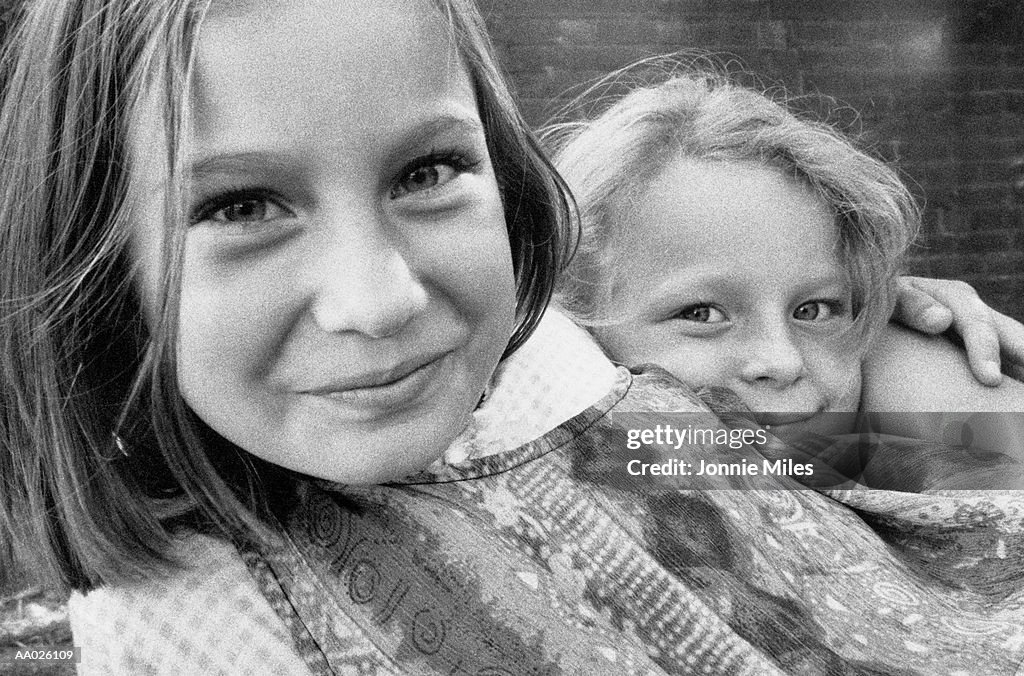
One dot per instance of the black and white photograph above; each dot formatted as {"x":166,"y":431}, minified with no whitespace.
{"x":512,"y":337}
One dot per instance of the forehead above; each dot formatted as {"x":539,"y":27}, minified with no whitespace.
{"x":298,"y":72}
{"x":327,"y":62}
{"x":371,"y":32}
{"x":710,"y":213}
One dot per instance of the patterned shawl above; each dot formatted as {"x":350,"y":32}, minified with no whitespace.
{"x":552,"y":559}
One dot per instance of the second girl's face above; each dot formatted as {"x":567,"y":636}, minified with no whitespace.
{"x":347,"y":285}
{"x":729,"y":277}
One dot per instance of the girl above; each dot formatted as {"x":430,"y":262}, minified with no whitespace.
{"x":741,"y":246}
{"x":263,"y":261}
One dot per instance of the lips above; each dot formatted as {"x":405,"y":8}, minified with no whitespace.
{"x":805,"y":424}
{"x":377,"y":379}
{"x":778,"y":419}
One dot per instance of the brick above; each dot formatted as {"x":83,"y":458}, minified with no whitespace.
{"x":976,"y":265}
{"x":914,"y":104}
{"x":953,"y":120}
{"x":747,"y":10}
{"x":977,"y":103}
{"x":528,"y":32}
{"x":847,"y":60}
{"x":687,"y":7}
{"x":953,"y":243}
{"x":817,"y":34}
{"x":567,"y":8}
{"x":862,"y":9}
{"x":984,"y":174}
{"x":992,"y":219}
{"x":772,"y":35}
{"x":624,"y":31}
{"x":992,"y":79}
{"x":732,"y":34}
{"x":1013,"y":103}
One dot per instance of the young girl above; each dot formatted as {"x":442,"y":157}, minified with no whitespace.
{"x":741,"y":246}
{"x":266,"y":264}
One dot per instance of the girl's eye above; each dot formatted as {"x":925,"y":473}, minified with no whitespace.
{"x":240,"y":209}
{"x":425,"y":178}
{"x":246,"y":211}
{"x":706,"y":314}
{"x":815,"y":311}
{"x":429,"y":173}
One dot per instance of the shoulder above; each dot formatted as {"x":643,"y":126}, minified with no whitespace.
{"x":208,"y":617}
{"x":920,"y":387}
{"x":909,"y":371}
{"x":555,"y":375}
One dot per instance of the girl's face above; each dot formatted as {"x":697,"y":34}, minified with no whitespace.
{"x":729,"y":277}
{"x":347,"y":287}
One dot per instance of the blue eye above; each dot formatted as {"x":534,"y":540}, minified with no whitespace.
{"x":703,"y":313}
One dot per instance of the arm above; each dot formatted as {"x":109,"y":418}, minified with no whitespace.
{"x":932,"y":306}
{"x":922,"y":387}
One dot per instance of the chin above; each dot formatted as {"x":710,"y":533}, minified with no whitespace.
{"x":407,"y":449}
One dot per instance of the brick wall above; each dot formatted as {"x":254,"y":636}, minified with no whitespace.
{"x":939,"y":85}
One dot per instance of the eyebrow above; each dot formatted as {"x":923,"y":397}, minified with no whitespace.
{"x":420,"y":134}
{"x":676,"y":286}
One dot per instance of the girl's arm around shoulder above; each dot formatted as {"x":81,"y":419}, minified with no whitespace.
{"x":922,"y":387}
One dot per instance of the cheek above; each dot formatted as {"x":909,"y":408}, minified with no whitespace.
{"x":697,"y":363}
{"x":472,"y":265}
{"x":839,"y":375}
{"x":626,"y":343}
{"x":852,"y":387}
{"x":490,"y":275}
{"x":230,"y":328}
{"x":212,"y":340}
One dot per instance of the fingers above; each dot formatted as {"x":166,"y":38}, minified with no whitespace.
{"x":981,"y":340}
{"x":918,"y":309}
{"x":1011,"y":344}
{"x":980,"y":327}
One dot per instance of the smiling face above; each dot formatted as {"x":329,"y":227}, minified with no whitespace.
{"x":347,"y":287}
{"x":728,"y":276}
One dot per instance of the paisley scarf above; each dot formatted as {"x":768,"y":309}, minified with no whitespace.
{"x":553,"y":559}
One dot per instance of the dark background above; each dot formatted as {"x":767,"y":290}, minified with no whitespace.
{"x":939,"y":85}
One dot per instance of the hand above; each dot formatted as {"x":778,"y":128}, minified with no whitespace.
{"x":935,"y":305}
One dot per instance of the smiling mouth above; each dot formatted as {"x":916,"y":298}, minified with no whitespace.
{"x":772,"y":420}
{"x":807,"y":424}
{"x":385,"y":390}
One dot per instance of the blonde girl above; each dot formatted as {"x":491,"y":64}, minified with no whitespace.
{"x":740,"y":245}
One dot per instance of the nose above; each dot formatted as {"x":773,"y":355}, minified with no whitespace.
{"x":773,"y":359}
{"x":365,"y":283}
